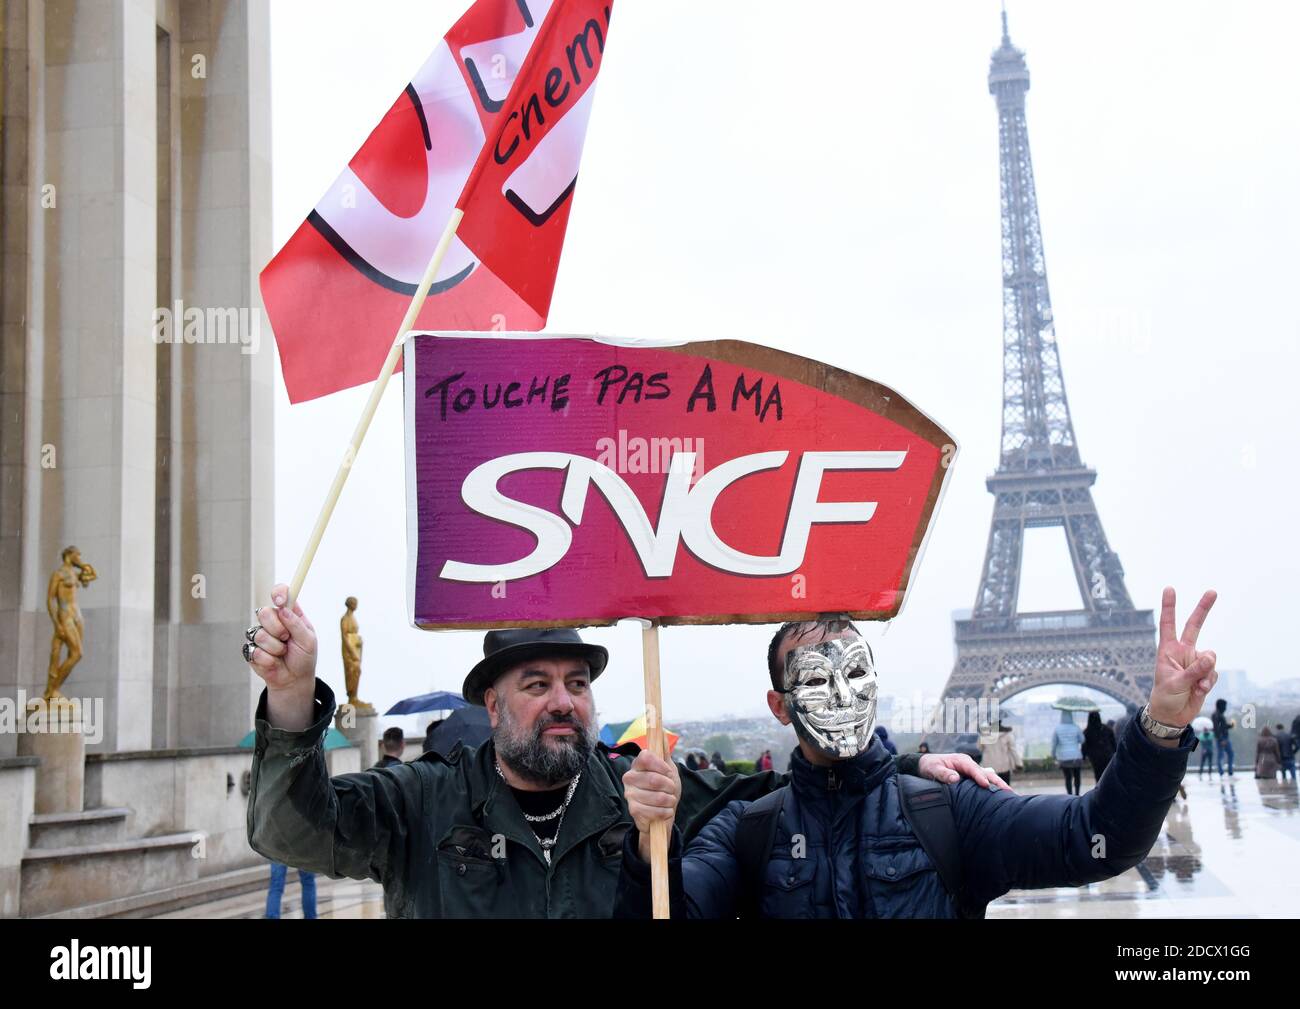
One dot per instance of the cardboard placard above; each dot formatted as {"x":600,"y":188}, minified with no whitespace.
{"x":576,"y":481}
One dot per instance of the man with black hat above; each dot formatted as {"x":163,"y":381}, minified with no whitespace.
{"x":529,"y":825}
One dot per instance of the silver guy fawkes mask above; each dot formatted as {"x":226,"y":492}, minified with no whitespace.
{"x":832,"y":691}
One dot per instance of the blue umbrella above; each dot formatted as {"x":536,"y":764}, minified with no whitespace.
{"x":469,"y":726}
{"x":439,"y":700}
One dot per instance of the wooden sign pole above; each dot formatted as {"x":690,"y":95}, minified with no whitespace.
{"x":656,"y":743}
{"x":368,"y":413}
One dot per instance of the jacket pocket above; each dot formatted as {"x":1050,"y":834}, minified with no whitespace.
{"x":610,"y":844}
{"x":904,"y":883}
{"x":470,"y":880}
{"x":894,"y":866}
{"x":789,"y":889}
{"x":789,"y":874}
{"x":472,"y":844}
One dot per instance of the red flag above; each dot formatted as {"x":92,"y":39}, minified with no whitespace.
{"x":336,"y":292}
{"x":517,"y":199}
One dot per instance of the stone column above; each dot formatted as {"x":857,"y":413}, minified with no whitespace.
{"x":362,"y":731}
{"x":18,"y":104}
{"x":223,"y":495}
{"x":97,"y":373}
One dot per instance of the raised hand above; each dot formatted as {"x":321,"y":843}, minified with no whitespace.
{"x":285,"y":657}
{"x":1183,"y":675}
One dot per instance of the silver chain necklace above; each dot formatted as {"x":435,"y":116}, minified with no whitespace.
{"x":549,"y":842}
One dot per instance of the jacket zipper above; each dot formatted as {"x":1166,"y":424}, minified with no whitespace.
{"x":833,"y":786}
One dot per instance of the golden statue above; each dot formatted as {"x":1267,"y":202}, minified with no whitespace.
{"x":350,"y":632}
{"x":69,"y":628}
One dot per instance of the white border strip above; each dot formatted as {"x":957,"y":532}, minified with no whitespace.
{"x":613,"y":341}
{"x":412,"y":484}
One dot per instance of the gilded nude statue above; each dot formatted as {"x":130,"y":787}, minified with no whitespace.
{"x":65,"y":614}
{"x":350,"y":632}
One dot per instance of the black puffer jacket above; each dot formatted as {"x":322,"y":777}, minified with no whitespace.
{"x":844,"y":849}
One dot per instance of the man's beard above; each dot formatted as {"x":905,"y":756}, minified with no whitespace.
{"x":532,"y":758}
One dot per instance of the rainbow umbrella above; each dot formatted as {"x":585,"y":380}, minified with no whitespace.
{"x":610,"y":732}
{"x":636,"y":732}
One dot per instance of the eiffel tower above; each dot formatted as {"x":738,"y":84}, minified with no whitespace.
{"x":1040,"y":480}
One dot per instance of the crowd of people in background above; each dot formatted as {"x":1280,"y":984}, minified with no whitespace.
{"x":698,"y":761}
{"x":1275,"y":748}
{"x":1095,"y":744}
{"x":995,"y":748}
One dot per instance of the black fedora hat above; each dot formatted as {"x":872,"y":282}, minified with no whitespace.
{"x":509,"y":647}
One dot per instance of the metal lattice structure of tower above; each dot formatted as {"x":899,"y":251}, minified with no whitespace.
{"x":1040,"y":480}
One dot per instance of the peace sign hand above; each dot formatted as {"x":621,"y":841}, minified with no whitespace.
{"x":1183,"y":675}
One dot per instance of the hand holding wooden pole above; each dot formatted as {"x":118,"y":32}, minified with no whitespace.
{"x":655,"y":742}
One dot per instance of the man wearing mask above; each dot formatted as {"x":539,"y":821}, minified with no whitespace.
{"x":529,"y":825}
{"x":850,"y":839}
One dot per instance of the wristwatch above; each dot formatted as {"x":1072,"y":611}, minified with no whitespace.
{"x":1158,"y":729}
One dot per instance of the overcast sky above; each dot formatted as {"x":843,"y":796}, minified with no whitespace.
{"x":830,"y":187}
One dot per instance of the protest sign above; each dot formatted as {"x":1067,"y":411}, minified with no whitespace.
{"x":572,"y":481}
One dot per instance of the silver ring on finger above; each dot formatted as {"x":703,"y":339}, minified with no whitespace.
{"x":249,"y":649}
{"x":251,"y":633}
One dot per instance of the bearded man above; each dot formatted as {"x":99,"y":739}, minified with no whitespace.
{"x":529,"y":825}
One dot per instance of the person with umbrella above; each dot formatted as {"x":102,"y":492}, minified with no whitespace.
{"x":1067,"y":748}
{"x":528,"y":825}
{"x":1204,"y":729}
{"x":439,"y":701}
{"x":468,"y":726}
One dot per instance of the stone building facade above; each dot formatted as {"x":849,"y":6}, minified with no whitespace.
{"x":136,"y":174}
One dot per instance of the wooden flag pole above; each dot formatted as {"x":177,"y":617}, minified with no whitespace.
{"x":372,"y":404}
{"x":660,"y":830}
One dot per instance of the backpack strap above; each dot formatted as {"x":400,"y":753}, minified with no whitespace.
{"x":755,"y":835}
{"x":928,"y":809}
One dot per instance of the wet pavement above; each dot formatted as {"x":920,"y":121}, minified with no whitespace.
{"x":343,"y":898}
{"x":1231,"y":849}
